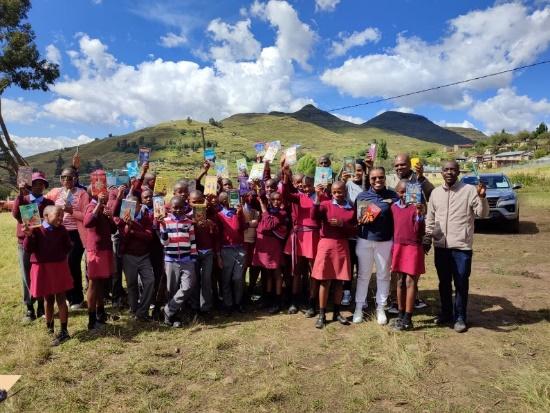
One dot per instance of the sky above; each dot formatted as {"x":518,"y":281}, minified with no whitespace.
{"x":128,"y":64}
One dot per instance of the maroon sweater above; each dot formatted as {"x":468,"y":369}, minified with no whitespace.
{"x":232,"y":229}
{"x":25,"y":200}
{"x":98,"y":230}
{"x":48,"y":245}
{"x":408,"y":228}
{"x":327,"y":210}
{"x":137,"y":237}
{"x":207,"y":236}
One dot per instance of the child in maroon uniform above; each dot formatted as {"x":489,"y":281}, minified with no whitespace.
{"x":408,"y":254}
{"x":271,"y":234}
{"x":332,"y":263}
{"x":48,"y":247}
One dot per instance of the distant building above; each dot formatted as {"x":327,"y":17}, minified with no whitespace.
{"x":456,"y":148}
{"x":510,"y":158}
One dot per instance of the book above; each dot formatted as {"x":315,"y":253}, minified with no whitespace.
{"x":199,"y":212}
{"x":210,"y":154}
{"x":413,"y":194}
{"x":371,"y":152}
{"x":127,"y":209}
{"x":159,"y":210}
{"x":349,"y":165}
{"x":414,"y":163}
{"x":242,"y":167}
{"x":133,"y":169}
{"x":367,"y":210}
{"x":24,"y":176}
{"x":122,"y":179}
{"x":234,"y":199}
{"x":30,"y":215}
{"x":257,"y":171}
{"x":243,"y":185}
{"x":290,"y":156}
{"x":323,"y":175}
{"x":259,"y":147}
{"x":211,"y":185}
{"x":144,"y":155}
{"x":271,"y":151}
{"x":221,"y":168}
{"x":98,"y":182}
{"x":111,"y":179}
{"x":161,"y":185}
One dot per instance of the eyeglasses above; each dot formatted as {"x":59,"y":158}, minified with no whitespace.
{"x":379,"y":178}
{"x":67,"y":177}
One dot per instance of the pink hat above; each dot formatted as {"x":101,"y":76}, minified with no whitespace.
{"x":39,"y":176}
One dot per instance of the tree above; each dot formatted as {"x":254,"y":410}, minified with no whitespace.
{"x":20,"y":65}
{"x":540,"y":129}
{"x":383,"y":149}
{"x":306,"y":165}
{"x":189,"y":120}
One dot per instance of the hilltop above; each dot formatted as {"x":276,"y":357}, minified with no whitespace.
{"x":470,"y":133}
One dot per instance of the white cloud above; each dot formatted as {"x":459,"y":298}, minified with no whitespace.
{"x":109,"y":92}
{"x":238,"y":42}
{"x":31,"y":145}
{"x":507,"y":110}
{"x":479,"y":42}
{"x":295,"y":39}
{"x":463,"y":124}
{"x":340,"y":48}
{"x":53,"y":54}
{"x":352,"y":119}
{"x":19,"y":110}
{"x":172,"y":40}
{"x":326,"y":5}
{"x":403,"y":109}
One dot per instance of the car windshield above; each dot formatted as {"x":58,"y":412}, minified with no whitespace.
{"x":491,"y":181}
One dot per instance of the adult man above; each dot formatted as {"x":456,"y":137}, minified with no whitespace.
{"x":450,"y":224}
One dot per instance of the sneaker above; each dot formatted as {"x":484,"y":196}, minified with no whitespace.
{"x":381,"y":317}
{"x":96,"y":326}
{"x":276,"y":309}
{"x":40,"y":311}
{"x":76,"y":306}
{"x":393,"y":308}
{"x":61,"y":337}
{"x":292,"y":309}
{"x":346,"y":299}
{"x":177,"y":324}
{"x":30,"y":316}
{"x":321,"y":321}
{"x":420,"y":303}
{"x":310,"y":312}
{"x":358,"y":316}
{"x":460,"y":326}
{"x":442,"y":320}
{"x":402,"y":325}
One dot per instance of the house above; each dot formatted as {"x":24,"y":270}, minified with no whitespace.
{"x":510,"y":158}
{"x":456,"y":148}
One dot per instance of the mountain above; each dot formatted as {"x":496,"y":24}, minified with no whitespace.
{"x":470,"y":133}
{"x":416,"y":126}
{"x":311,"y":114}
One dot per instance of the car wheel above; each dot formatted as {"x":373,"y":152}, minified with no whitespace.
{"x":513,"y":226}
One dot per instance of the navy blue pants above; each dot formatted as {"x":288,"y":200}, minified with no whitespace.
{"x":453,"y":265}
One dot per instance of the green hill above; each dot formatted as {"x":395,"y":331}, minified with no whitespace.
{"x":470,"y":133}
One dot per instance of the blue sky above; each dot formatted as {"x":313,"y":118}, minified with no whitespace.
{"x":127,"y":64}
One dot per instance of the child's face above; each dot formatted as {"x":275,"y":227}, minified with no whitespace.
{"x":212,"y":201}
{"x":401,"y":191}
{"x":147,"y":198}
{"x":196,"y":199}
{"x":38,"y":187}
{"x":358,"y":172}
{"x":181,"y":190}
{"x":338,"y":192}
{"x":270,"y":187}
{"x":223,"y":199}
{"x":297,"y":183}
{"x":54,"y":217}
{"x":227,"y":184}
{"x":307,"y":186}
{"x":276,"y":200}
{"x":178,"y":208}
{"x":248,"y":198}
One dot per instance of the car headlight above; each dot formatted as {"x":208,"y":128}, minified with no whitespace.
{"x":509,"y":197}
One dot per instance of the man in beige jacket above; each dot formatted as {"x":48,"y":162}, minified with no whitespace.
{"x":450,"y":219}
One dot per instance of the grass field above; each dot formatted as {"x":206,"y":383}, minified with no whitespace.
{"x":260,"y":363}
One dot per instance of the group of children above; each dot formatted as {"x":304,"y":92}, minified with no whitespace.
{"x":296,"y":238}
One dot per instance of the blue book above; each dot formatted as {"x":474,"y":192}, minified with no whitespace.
{"x":133,"y":169}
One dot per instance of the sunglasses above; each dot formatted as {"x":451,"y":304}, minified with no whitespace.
{"x":379,"y":178}
{"x":67,"y":177}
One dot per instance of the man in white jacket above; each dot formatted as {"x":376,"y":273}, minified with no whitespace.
{"x":450,"y":220}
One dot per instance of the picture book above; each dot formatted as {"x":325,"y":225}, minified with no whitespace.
{"x":367,"y":210}
{"x":133,"y":169}
{"x":234,"y":199}
{"x":98,"y":182}
{"x":159,"y":211}
{"x":323,"y":175}
{"x":211,"y":185}
{"x":290,"y":155}
{"x":199,"y":212}
{"x":111,"y":179}
{"x":271,"y":151}
{"x":260,"y":148}
{"x":121,"y":180}
{"x":413,"y":194}
{"x":221,"y":168}
{"x":24,"y":176}
{"x":371,"y":152}
{"x":30,"y":215}
{"x":144,"y":155}
{"x":127,"y":209}
{"x":243,"y":185}
{"x":161,"y":185}
{"x":242,"y":167}
{"x":210,"y":154}
{"x":349,"y":165}
{"x":257,"y":171}
{"x":414,"y":163}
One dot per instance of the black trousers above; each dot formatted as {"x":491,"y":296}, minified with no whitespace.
{"x":75,"y":295}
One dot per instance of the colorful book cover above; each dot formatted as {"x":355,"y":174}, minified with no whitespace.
{"x":257,"y":171}
{"x":367,"y":210}
{"x":30,"y":215}
{"x":323,"y":175}
{"x":24,"y":176}
{"x":161,"y":185}
{"x":243,"y":185}
{"x":372,"y":152}
{"x":122,"y":180}
{"x":349,"y":165}
{"x":133,"y":169}
{"x":199,"y":212}
{"x":414,"y":163}
{"x":242,"y":167}
{"x":211,"y":185}
{"x":144,"y":155}
{"x":98,"y":182}
{"x":290,"y":155}
{"x":127,"y":209}
{"x":221,"y":168}
{"x":260,"y":148}
{"x":413,"y":194}
{"x":271,"y":151}
{"x":210,"y":154}
{"x":159,"y":210}
{"x":234,"y":199}
{"x":111,"y":179}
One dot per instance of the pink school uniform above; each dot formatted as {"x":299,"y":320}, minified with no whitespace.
{"x":271,"y":233}
{"x":99,"y":247}
{"x":408,"y":230}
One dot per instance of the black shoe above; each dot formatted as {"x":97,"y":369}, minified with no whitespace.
{"x":460,"y":326}
{"x":321,"y":321}
{"x":104,"y":317}
{"x":30,"y":316}
{"x":276,"y":309}
{"x":340,"y":318}
{"x":167,"y":320}
{"x":292,"y":309}
{"x":310,"y":312}
{"x":402,"y":325}
{"x":240,"y":309}
{"x":96,"y":326}
{"x":442,"y":320}
{"x":60,"y":338}
{"x":40,"y":311}
{"x":144,"y":319}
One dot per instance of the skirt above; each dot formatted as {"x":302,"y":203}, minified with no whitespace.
{"x":408,"y":259}
{"x":305,"y":243}
{"x":50,"y":278}
{"x":268,"y":252}
{"x":100,"y":264}
{"x":332,"y":261}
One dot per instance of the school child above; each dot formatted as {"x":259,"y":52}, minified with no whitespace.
{"x":268,"y":252}
{"x":39,"y":184}
{"x":252,"y":217}
{"x":99,"y":226}
{"x":232,"y":256}
{"x":208,"y":247}
{"x":177,"y":234}
{"x":226,"y":184}
{"x":407,"y":254}
{"x":50,"y":276}
{"x":332,"y":263}
{"x":135,"y":246}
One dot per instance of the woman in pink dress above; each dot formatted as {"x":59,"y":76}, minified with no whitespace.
{"x":332,"y":264}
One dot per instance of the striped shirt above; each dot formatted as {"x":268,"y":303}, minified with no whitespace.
{"x":178,"y":238}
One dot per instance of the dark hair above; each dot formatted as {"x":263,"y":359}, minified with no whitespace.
{"x":362,"y":163}
{"x":378,"y":168}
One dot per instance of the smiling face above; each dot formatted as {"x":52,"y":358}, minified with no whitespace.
{"x":450,"y":172}
{"x":359,"y":172}
{"x":402,"y":165}
{"x":307,"y":185}
{"x":270,"y":186}
{"x":196,"y":198}
{"x":177,"y":204}
{"x":377,"y":178}
{"x":227,"y":184}
{"x":181,"y":189}
{"x":53,"y":215}
{"x":147,"y":198}
{"x":67,"y":178}
{"x":338,"y":190}
{"x":401,"y":190}
{"x":324,"y":161}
